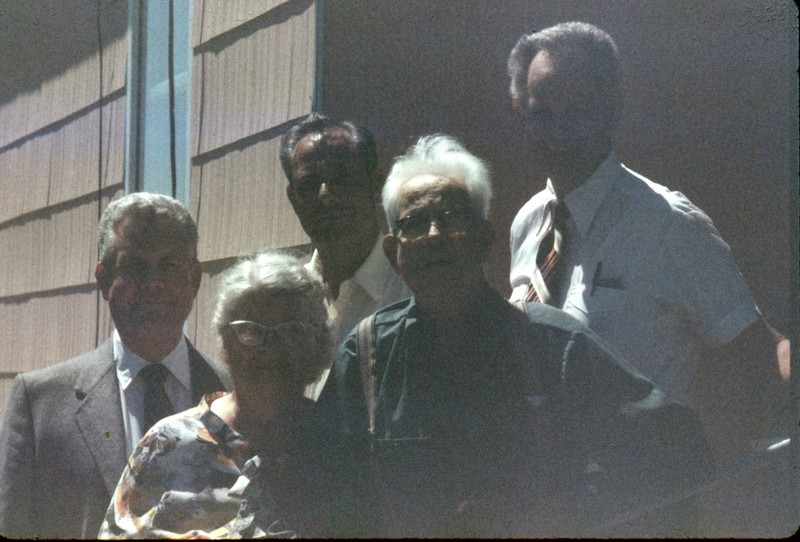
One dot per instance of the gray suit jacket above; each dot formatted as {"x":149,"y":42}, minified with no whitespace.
{"x":62,"y":443}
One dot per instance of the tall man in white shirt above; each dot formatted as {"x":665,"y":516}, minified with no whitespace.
{"x":69,"y":428}
{"x":333,"y":188}
{"x":641,"y":265}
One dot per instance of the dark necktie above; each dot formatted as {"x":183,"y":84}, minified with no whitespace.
{"x":156,"y":403}
{"x":548,"y":258}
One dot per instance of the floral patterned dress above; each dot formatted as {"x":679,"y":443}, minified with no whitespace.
{"x":193,"y":476}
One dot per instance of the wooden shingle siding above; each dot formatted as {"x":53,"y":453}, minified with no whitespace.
{"x":61,"y":161}
{"x":254,"y":73}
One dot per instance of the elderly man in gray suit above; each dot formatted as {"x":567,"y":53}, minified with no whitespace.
{"x":70,"y":427}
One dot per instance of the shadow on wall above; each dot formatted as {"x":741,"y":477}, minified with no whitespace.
{"x":34,"y":30}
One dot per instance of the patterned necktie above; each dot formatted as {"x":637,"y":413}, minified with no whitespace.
{"x":549,"y":263}
{"x":156,"y":403}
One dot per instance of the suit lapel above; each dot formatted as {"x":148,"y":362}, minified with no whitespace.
{"x":98,"y":410}
{"x":98,"y":414}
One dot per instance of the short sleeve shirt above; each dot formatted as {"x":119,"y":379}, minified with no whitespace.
{"x":646,"y":270}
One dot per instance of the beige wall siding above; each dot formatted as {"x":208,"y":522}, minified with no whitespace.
{"x":52,"y":146}
{"x":45,"y":328}
{"x":237,"y":185}
{"x":76,"y":87}
{"x":253,"y":82}
{"x":215,"y":17}
{"x":63,"y":141}
{"x":200,"y":325}
{"x":50,"y":228}
{"x":240,"y":203}
{"x":20,"y":164}
{"x":52,"y":249}
{"x":254,"y":72}
{"x":61,"y":161}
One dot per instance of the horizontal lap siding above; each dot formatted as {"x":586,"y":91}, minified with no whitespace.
{"x":49,"y":250}
{"x":200,"y":321}
{"x":60,"y":164}
{"x":215,"y":17}
{"x":246,"y":84}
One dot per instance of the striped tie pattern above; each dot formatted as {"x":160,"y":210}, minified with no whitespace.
{"x":548,"y":259}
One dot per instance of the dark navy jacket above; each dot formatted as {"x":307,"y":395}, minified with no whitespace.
{"x":529,"y":427}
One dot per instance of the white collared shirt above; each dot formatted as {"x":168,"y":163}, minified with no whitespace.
{"x":372,"y":287}
{"x":645,"y":269}
{"x":177,"y":385}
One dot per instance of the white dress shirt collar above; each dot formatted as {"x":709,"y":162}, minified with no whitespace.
{"x":129,"y":363}
{"x":584,"y":202}
{"x":367,"y":277}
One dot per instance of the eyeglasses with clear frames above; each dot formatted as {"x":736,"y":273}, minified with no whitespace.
{"x":450,"y":221}
{"x":288,"y":332}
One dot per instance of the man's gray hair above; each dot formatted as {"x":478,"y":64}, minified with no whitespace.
{"x":144,"y":208}
{"x":581,"y":45}
{"x":275,"y":272}
{"x":443,"y":156}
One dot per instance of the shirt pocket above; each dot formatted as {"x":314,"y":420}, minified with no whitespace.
{"x":638,"y":327}
{"x":600,"y":300}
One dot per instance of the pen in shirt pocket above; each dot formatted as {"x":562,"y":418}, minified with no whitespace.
{"x":599,"y":280}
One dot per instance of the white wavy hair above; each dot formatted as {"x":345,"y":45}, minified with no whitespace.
{"x":276,"y":272}
{"x":444,"y":156}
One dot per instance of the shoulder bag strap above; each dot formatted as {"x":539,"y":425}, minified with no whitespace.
{"x":365,"y":345}
{"x":365,"y":334}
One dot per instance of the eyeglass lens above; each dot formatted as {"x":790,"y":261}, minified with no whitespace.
{"x":418,"y":225}
{"x":254,"y":334}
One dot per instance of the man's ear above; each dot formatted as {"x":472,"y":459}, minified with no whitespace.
{"x":390,"y":244}
{"x":104,"y":279}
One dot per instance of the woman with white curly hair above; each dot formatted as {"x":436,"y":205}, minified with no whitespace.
{"x":230,"y":466}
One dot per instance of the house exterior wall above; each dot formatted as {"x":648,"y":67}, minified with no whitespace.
{"x":711,"y":105}
{"x":62,"y":156}
{"x":62,"y":114}
{"x":711,"y":93}
{"x":711,"y":110}
{"x":254,"y":73}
